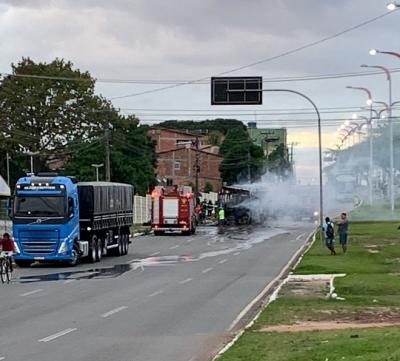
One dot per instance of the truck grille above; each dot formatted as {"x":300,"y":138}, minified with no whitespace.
{"x":39,"y":242}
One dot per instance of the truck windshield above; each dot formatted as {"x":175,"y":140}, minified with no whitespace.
{"x":40,"y":207}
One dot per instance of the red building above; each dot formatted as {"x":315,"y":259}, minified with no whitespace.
{"x":177,"y":154}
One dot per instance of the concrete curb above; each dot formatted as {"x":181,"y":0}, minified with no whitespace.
{"x":252,"y":311}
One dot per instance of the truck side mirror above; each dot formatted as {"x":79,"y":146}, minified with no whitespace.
{"x":70,"y":207}
{"x":10,"y":208}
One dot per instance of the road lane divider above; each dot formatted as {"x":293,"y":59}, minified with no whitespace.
{"x":236,"y":253}
{"x":114,"y":311}
{"x":174,"y":247}
{"x":187,"y":280}
{"x":155,"y":254}
{"x":223,"y":261}
{"x":207,"y":270}
{"x":159,"y":292}
{"x":300,"y":236}
{"x":31,"y":292}
{"x":58,"y":334}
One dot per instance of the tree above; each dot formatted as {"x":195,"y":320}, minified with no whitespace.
{"x":278,"y":162}
{"x":132,"y":154}
{"x":241,"y":157}
{"x":208,"y":187}
{"x":42,"y":109}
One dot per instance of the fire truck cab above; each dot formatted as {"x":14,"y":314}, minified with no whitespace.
{"x":173,"y":209}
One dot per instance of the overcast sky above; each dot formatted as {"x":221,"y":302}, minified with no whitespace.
{"x":191,"y":39}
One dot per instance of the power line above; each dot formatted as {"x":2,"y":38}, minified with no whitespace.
{"x":203,"y":82}
{"x":262,"y":61}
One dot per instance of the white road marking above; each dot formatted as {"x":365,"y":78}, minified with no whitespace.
{"x":223,"y":261}
{"x":2,"y":358}
{"x":31,"y":292}
{"x":186,"y":281}
{"x":236,"y":253}
{"x":300,"y":236}
{"x":155,"y":254}
{"x":156,"y":293}
{"x":58,"y":334}
{"x":190,"y":240}
{"x":207,"y":270}
{"x":115,"y":310}
{"x":174,"y":247}
{"x":69,"y":281}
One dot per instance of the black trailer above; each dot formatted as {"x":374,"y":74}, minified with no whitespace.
{"x":105,"y":217}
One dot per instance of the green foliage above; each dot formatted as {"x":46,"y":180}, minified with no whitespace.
{"x":278,"y":162}
{"x":240,"y":156}
{"x":132,"y":155}
{"x":208,"y":187}
{"x":205,"y":126}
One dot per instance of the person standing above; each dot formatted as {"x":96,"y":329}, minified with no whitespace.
{"x":329,"y":232}
{"x":221,"y":221}
{"x":343,"y":228}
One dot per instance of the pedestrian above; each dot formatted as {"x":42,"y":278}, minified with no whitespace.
{"x":343,"y":228}
{"x":329,"y":232}
{"x":221,"y":221}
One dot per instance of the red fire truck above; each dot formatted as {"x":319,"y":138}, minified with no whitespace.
{"x":173,"y":209}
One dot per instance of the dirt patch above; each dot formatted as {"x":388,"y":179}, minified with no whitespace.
{"x":326,"y":326}
{"x":305,"y":289}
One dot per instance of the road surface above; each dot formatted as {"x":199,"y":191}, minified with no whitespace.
{"x":173,"y":298}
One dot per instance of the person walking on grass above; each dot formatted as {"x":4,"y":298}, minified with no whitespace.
{"x":329,"y":233}
{"x":343,"y":228}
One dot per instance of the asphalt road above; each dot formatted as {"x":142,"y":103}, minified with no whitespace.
{"x":173,"y":298}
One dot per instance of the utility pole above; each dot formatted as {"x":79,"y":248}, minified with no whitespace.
{"x":248,"y":167}
{"x":197,"y":167}
{"x":8,"y":168}
{"x":107,"y":144}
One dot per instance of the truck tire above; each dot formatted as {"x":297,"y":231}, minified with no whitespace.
{"x":127,"y":244}
{"x":75,"y":257}
{"x":123,"y":244}
{"x":99,"y":250}
{"x":23,"y":263}
{"x":93,"y":250}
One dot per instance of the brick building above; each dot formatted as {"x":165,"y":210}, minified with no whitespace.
{"x":176,"y":158}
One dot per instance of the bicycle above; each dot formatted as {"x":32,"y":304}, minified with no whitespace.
{"x":5,"y":267}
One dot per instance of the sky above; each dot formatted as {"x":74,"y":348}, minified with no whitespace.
{"x":162,"y":42}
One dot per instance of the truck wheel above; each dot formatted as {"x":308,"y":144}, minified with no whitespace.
{"x":75,"y":257}
{"x":123,"y":244}
{"x":23,"y":263}
{"x":99,"y":250}
{"x":127,"y":244}
{"x":93,"y":250}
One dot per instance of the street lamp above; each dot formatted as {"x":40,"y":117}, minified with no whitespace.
{"x":389,"y":110}
{"x":393,"y":5}
{"x":31,"y":154}
{"x":97,"y":166}
{"x":371,"y":147}
{"x":376,"y":51}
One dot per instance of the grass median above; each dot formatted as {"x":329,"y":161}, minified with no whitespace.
{"x":362,"y":323}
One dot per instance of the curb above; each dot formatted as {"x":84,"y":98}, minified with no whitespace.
{"x":252,"y":311}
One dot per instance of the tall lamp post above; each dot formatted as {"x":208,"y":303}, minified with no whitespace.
{"x":391,"y":148}
{"x":371,"y":146}
{"x":97,"y":166}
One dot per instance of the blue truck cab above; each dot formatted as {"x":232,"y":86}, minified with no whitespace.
{"x":57,"y":219}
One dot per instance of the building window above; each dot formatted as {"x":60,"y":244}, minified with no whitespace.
{"x":170,"y":182}
{"x":177,"y":165}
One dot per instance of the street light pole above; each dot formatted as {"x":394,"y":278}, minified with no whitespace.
{"x":321,"y":195}
{"x":8,"y":168}
{"x":97,"y":166}
{"x":371,"y":144}
{"x":391,"y":142}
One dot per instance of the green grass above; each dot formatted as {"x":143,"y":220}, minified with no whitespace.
{"x":376,"y":212}
{"x":371,"y":290}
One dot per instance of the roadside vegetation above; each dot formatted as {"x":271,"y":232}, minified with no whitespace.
{"x":361,"y":323}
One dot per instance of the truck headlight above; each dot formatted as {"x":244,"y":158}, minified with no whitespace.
{"x":17,"y":250}
{"x":316,"y":213}
{"x":63,"y":248}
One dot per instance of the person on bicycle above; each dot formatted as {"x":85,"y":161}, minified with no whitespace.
{"x":7,"y":245}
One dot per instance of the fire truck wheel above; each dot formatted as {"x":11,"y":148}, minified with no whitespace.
{"x":99,"y":251}
{"x":126,"y":243}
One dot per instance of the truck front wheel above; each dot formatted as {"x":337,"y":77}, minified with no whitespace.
{"x":74,"y":257}
{"x":93,"y":250}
